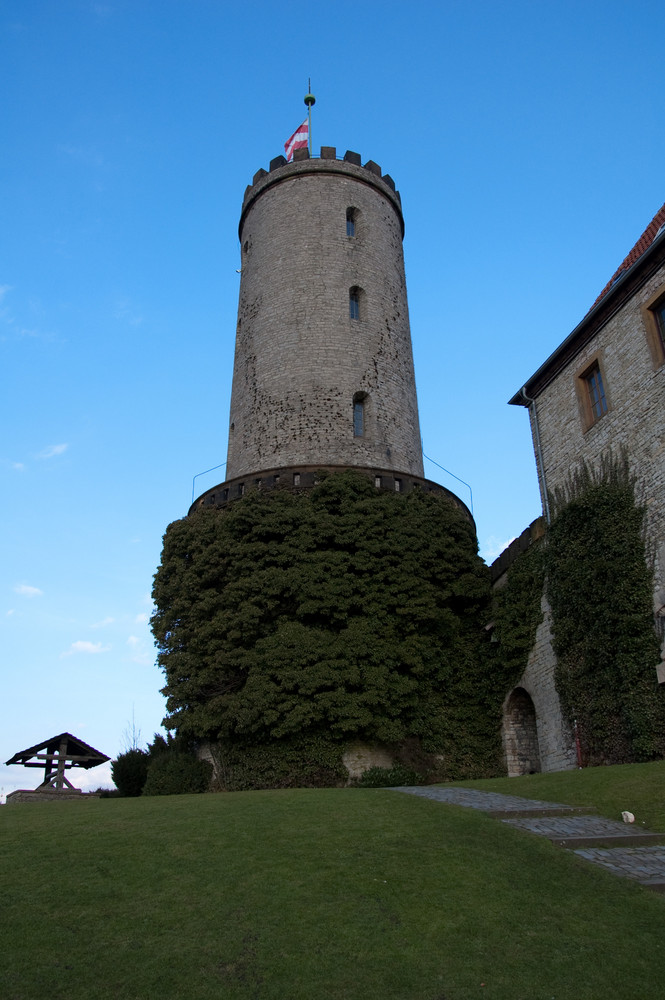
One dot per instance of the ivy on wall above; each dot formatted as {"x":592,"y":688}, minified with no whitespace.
{"x":600,"y":590}
{"x":598,"y":583}
{"x":342,"y":612}
{"x":517,"y":613}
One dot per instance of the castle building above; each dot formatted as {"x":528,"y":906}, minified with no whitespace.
{"x":602,"y":389}
{"x":323,"y":375}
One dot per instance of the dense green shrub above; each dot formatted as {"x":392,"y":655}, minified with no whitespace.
{"x":129,"y":771}
{"x":388,"y":777}
{"x":177,"y":774}
{"x":309,"y":761}
{"x":342,"y":610}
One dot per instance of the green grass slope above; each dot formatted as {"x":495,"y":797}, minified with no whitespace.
{"x":342,"y":894}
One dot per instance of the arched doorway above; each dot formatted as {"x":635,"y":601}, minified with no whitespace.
{"x":520,"y":734}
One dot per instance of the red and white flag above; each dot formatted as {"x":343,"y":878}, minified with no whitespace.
{"x":298,"y":140}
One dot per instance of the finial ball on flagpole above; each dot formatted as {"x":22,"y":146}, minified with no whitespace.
{"x":310,"y":99}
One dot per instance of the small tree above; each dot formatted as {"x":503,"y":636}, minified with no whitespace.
{"x":129,"y":771}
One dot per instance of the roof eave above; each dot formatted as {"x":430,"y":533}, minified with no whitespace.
{"x":599,"y":314}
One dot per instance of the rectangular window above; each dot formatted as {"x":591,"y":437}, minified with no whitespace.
{"x":358,"y":418}
{"x":659,"y":313}
{"x":377,"y":482}
{"x":354,"y":305}
{"x":350,"y":222}
{"x":296,"y":479}
{"x":398,"y":486}
{"x":653,"y":317}
{"x":596,"y":391}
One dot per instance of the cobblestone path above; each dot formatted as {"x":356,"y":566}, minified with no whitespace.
{"x":618,"y":847}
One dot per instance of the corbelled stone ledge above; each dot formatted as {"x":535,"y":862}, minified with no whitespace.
{"x":302,"y":477}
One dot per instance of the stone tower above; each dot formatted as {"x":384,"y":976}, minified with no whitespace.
{"x":323,"y":375}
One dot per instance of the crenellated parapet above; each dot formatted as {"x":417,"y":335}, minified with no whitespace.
{"x":302,"y":163}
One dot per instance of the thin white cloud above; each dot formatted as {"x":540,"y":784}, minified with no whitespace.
{"x":3,"y":291}
{"x":25,"y":590}
{"x":10,"y":612}
{"x":18,"y":466}
{"x":103,"y":623}
{"x":84,"y":646}
{"x":493,"y":547}
{"x":141,"y":652}
{"x":92,"y":778}
{"x":125,"y":311}
{"x":87,"y":155}
{"x":53,"y":450}
{"x":142,"y":618}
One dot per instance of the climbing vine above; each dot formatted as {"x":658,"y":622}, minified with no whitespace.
{"x":600,"y":590}
{"x":517,"y":613}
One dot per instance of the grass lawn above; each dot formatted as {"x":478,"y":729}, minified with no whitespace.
{"x":339,"y":894}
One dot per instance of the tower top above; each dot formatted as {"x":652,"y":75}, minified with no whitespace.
{"x":327,"y":163}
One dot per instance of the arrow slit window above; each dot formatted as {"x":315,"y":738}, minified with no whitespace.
{"x":359,"y":414}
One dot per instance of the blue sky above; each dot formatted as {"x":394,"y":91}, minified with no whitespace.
{"x":527,"y":141}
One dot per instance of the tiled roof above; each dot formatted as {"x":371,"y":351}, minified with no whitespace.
{"x":644,"y":242}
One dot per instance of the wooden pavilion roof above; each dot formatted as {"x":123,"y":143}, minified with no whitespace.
{"x":81,"y":754}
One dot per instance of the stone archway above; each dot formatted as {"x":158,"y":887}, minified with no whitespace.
{"x":520,"y":734}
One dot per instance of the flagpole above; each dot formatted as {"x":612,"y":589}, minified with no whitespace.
{"x":310,"y":99}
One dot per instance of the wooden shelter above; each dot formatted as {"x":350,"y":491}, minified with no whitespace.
{"x":57,"y":755}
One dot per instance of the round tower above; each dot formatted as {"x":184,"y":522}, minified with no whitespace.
{"x":323,"y":375}
{"x":323,"y":368}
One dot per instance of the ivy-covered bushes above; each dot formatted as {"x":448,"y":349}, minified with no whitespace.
{"x":342,"y":612}
{"x":309,"y":761}
{"x":598,"y":583}
{"x":389,"y":777}
{"x":129,"y":771}
{"x":177,"y":774}
{"x":517,"y":613}
{"x":168,"y":766}
{"x":600,"y":591}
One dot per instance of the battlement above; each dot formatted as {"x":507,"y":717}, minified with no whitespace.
{"x":328,"y":163}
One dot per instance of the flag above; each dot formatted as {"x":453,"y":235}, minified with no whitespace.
{"x":298,"y":140}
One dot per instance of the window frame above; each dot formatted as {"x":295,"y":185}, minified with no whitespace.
{"x":359,"y":414}
{"x":593,"y":405}
{"x":653,"y":317}
{"x":351,"y":221}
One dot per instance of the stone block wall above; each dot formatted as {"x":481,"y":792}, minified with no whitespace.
{"x":555,"y":741}
{"x":634,"y":383}
{"x":535,"y":736}
{"x":301,"y":359}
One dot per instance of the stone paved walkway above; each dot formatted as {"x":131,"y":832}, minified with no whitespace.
{"x":490,"y":802}
{"x":589,"y":835}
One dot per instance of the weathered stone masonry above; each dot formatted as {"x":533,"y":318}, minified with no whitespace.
{"x":320,"y":382}
{"x":300,"y":358}
{"x":619,"y":338}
